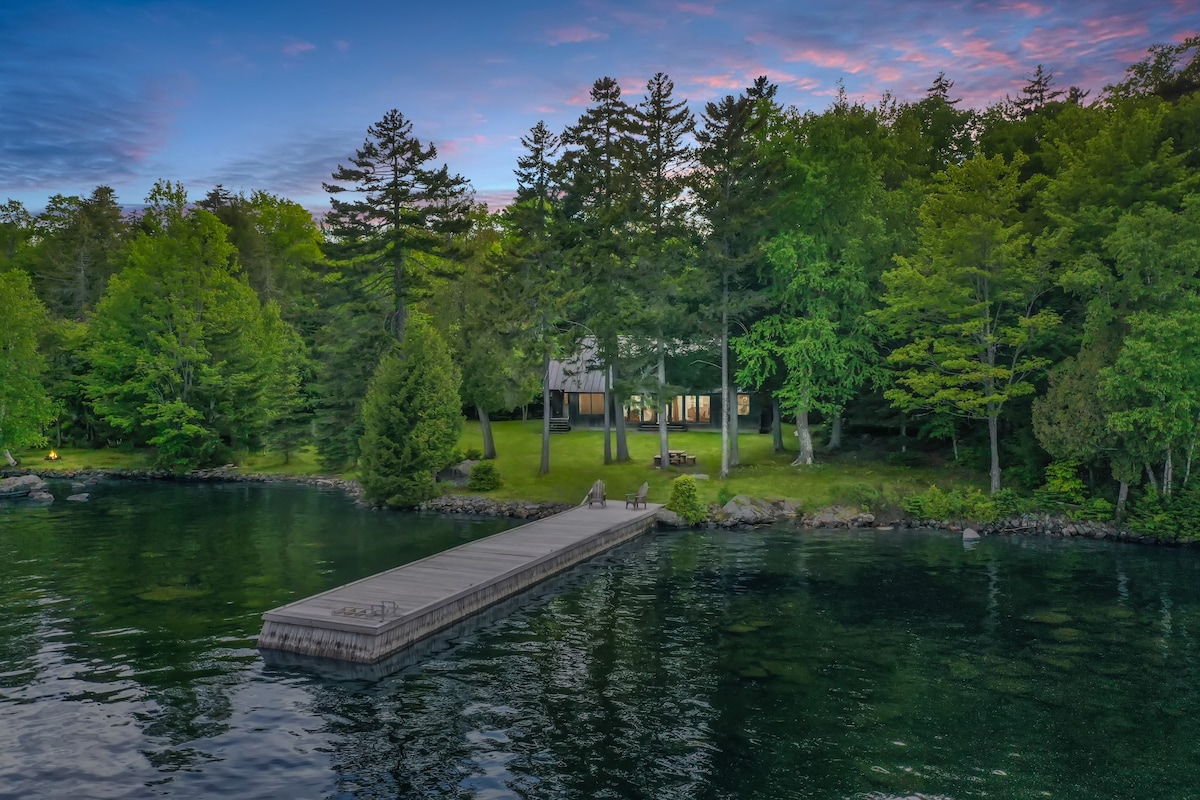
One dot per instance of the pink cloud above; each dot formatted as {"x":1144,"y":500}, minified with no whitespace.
{"x":1103,"y":30}
{"x":1183,"y":36}
{"x":699,"y":9}
{"x":981,"y":52}
{"x":295,"y":48}
{"x":889,"y":74}
{"x":829,"y":59}
{"x":463,"y":144}
{"x":1031,"y":10}
{"x":573,"y":35}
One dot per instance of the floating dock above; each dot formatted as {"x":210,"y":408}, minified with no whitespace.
{"x":373,"y":618}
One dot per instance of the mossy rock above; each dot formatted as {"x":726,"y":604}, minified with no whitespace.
{"x":962,"y":669}
{"x":788,"y":671}
{"x":1048,"y":617}
{"x":1057,"y":648}
{"x":167,"y":594}
{"x":1067,"y":634}
{"x":740,"y":628}
{"x":1064,"y":664}
{"x":1010,"y":686}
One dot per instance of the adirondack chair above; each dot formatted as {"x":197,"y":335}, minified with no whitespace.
{"x":634,"y":498}
{"x":596,"y":494}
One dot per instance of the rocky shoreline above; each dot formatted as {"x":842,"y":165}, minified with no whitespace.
{"x":740,"y":512}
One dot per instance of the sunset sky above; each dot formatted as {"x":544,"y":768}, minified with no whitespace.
{"x":272,"y":95}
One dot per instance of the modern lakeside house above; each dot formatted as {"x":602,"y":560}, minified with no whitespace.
{"x":577,"y":399}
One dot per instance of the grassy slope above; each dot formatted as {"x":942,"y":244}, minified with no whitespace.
{"x":576,"y":460}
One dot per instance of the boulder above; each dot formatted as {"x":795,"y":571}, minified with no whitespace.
{"x":970,"y":535}
{"x":44,"y":498}
{"x":744,"y":510}
{"x":669,"y":519}
{"x":31,"y":482}
{"x":82,"y":497}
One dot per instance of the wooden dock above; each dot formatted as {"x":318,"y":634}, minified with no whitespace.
{"x":373,"y":618}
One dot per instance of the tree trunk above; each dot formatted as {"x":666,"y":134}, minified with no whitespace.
{"x":776,"y":426}
{"x":663,"y":451}
{"x":485,"y":424}
{"x":724,"y":474}
{"x":805,"y":457}
{"x":994,"y":443}
{"x":735,"y":441}
{"x":619,"y":413}
{"x":608,"y":416}
{"x":1151,"y":477}
{"x":8,"y":457}
{"x":1168,"y":473}
{"x":1122,"y":496}
{"x":545,"y":467}
{"x":835,"y":433}
{"x":954,"y":444}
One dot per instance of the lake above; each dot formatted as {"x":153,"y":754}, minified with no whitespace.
{"x":773,"y":663}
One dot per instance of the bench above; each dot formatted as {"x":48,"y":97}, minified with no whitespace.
{"x":676,"y":458}
{"x":596,"y":494}
{"x":634,"y":498}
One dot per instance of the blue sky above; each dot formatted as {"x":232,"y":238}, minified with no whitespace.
{"x":270,"y":95}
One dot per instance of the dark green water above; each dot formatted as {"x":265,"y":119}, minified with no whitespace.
{"x":772,"y":664}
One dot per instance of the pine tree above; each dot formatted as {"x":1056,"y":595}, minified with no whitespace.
{"x":411,"y":418}
{"x":403,"y":206}
{"x":732,"y":193}
{"x":598,"y":169}
{"x":532,"y":246}
{"x":665,"y":274}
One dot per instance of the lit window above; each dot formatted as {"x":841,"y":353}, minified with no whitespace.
{"x":591,"y":403}
{"x":743,"y":401}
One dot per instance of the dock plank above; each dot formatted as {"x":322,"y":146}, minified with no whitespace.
{"x":371,"y":618}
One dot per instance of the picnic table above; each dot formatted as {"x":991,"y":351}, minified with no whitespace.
{"x":677,"y":458}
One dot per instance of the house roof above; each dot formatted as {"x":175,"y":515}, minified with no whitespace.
{"x":579,"y":373}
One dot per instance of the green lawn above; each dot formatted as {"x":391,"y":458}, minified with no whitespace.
{"x":854,"y":477}
{"x":577,"y":459}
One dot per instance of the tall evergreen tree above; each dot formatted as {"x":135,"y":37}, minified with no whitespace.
{"x":598,"y":168}
{"x":665,"y":275}
{"x":534,"y":248}
{"x":732,"y":197}
{"x":400,"y":205}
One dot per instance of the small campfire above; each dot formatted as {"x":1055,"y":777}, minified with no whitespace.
{"x":53,"y":456}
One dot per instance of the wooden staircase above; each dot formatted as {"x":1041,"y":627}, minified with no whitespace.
{"x":560,"y":425}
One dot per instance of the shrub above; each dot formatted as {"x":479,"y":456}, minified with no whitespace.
{"x":472,"y":454}
{"x":685,"y":502}
{"x":861,"y":495}
{"x":724,"y":495}
{"x":484,"y":477}
{"x":971,"y":504}
{"x":1063,"y":485}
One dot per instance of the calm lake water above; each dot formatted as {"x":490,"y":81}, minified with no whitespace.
{"x":766,"y":664}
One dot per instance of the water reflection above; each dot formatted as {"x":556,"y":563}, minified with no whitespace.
{"x":697,"y":665}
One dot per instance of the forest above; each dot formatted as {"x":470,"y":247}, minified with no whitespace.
{"x":1017,"y":286}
